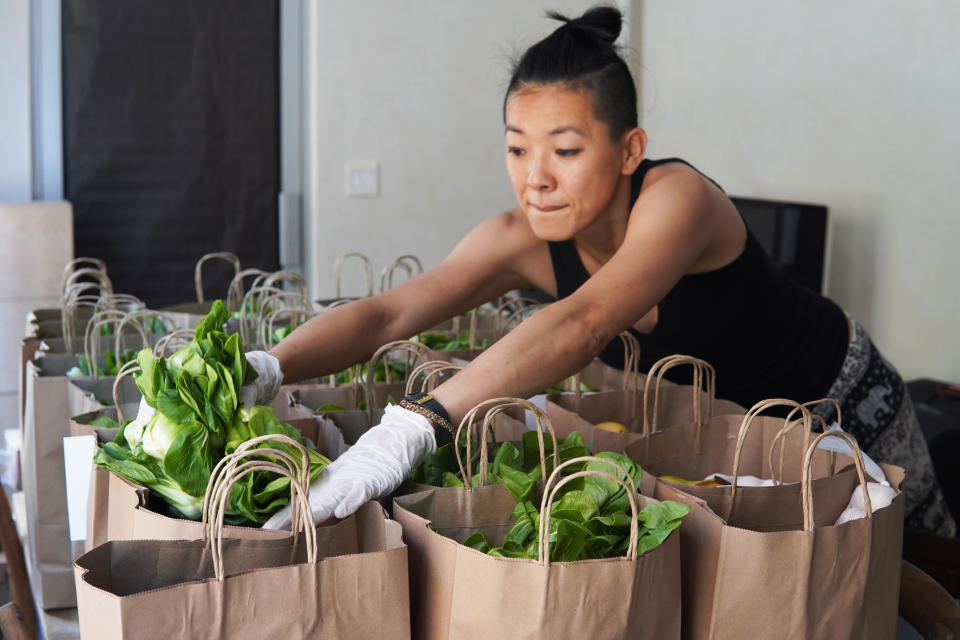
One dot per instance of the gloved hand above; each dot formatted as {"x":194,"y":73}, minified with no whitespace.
{"x":269,"y":378}
{"x":374,"y":466}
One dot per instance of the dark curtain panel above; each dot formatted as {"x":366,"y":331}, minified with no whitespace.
{"x":171,"y":139}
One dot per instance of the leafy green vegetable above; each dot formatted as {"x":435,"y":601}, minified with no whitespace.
{"x":111,"y":368}
{"x":445,"y":342}
{"x":329,"y":407}
{"x":589,"y":517}
{"x":440,"y":468}
{"x":198,"y":420}
{"x":561,"y":387}
{"x":398,"y":371}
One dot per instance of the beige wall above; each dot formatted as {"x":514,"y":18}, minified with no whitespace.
{"x":416,"y":86}
{"x":852,"y":104}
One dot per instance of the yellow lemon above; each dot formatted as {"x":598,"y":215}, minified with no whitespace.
{"x":615,"y":427}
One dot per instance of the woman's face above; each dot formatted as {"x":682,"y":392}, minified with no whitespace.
{"x":563,"y":166}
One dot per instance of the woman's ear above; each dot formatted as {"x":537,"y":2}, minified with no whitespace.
{"x":634,"y":147}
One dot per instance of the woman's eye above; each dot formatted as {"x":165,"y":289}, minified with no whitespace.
{"x":515,"y":151}
{"x":567,"y":153}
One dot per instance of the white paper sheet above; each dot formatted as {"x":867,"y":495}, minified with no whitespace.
{"x":78,"y":452}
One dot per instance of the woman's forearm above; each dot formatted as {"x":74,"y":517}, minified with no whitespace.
{"x":550,"y":345}
{"x":333,"y":340}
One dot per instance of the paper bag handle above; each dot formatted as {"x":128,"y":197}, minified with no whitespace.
{"x":428,"y":370}
{"x":518,"y":317}
{"x":295,"y":315}
{"x":703,"y":374}
{"x":136,"y":315}
{"x":789,"y":426}
{"x":415,"y":349}
{"x":492,"y":408}
{"x":198,"y":269}
{"x":404,"y":261}
{"x":299,"y":469}
{"x":235,"y":289}
{"x":91,"y":339}
{"x":554,"y":484}
{"x":806,"y":490}
{"x":747,"y":422}
{"x":367,"y":271}
{"x":631,"y":372}
{"x":183,"y":336}
{"x":128,"y":367}
{"x":233,"y":467}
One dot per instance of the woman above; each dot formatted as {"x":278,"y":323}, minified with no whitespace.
{"x":623,"y":242}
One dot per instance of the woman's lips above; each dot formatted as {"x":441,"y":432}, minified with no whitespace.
{"x":547,"y":208}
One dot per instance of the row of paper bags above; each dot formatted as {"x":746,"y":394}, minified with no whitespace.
{"x":755,"y":563}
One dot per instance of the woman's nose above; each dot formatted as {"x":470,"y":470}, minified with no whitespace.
{"x":539,"y":176}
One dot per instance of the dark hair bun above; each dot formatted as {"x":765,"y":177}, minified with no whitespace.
{"x":602,"y":21}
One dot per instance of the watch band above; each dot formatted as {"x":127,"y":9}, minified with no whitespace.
{"x":428,"y":407}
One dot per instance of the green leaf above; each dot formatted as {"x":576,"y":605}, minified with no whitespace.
{"x":579,"y":506}
{"x":124,"y":466}
{"x":508,"y":455}
{"x":329,"y":407}
{"x":151,"y":378}
{"x":450,"y":480}
{"x":213,"y":321}
{"x":567,"y":540}
{"x":170,"y":404}
{"x":104,"y":421}
{"x":190,"y":459}
{"x":660,"y":514}
{"x":517,"y":483}
{"x":479,"y":542}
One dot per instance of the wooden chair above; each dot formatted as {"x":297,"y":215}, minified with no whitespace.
{"x":929,"y":607}
{"x":18,"y":619}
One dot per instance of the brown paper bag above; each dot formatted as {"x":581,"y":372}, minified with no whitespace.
{"x":315,"y":396}
{"x":721,"y":556}
{"x":740,"y":445}
{"x":488,"y":424}
{"x":659,"y":406}
{"x":251,"y":588}
{"x":50,"y":399}
{"x":118,"y":509}
{"x":458,"y":592}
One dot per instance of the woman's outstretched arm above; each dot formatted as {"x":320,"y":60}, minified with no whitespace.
{"x":480,"y":268}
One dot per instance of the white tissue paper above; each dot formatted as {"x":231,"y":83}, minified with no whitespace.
{"x":839,"y":445}
{"x":881,"y":495}
{"x":743,"y":481}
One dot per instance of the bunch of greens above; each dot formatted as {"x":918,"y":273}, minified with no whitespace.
{"x":440,"y":468}
{"x":198,"y":420}
{"x":444,"y":342}
{"x":280,"y":333}
{"x":398,"y":371}
{"x":589,"y":517}
{"x":561,"y":387}
{"x":111,"y":364}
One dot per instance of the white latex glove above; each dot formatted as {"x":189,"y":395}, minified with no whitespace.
{"x":269,"y":378}
{"x":375,"y":466}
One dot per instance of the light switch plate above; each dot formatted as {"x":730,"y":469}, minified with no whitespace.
{"x":363,"y":179}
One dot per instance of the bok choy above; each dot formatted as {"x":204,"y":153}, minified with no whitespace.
{"x":198,"y":420}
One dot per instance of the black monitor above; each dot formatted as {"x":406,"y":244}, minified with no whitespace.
{"x":792,"y":233}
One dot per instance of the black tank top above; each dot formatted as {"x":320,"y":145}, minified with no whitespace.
{"x":766,"y":335}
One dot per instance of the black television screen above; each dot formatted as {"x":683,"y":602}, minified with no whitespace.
{"x":792,"y":233}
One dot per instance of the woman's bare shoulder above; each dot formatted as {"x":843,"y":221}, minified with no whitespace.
{"x":679,"y":203}
{"x":506,"y":242}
